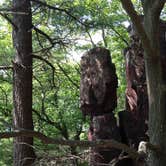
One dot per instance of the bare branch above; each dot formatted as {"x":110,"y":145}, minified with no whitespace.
{"x":48,"y":140}
{"x":58,"y":9}
{"x":47,"y":120}
{"x":118,"y":34}
{"x":38,"y":39}
{"x":12,"y":11}
{"x":104,"y":37}
{"x":6,"y":67}
{"x":50,"y":64}
{"x":8,"y":19}
{"x":92,"y":42}
{"x":44,"y":34}
{"x":55,"y":41}
{"x":64,"y":72}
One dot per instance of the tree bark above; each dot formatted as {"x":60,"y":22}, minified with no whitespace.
{"x":156,"y":94}
{"x":136,"y":92}
{"x":22,"y":91}
{"x":156,"y":86}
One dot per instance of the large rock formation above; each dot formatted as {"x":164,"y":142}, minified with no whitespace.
{"x":98,"y":100}
{"x":98,"y":97}
{"x":98,"y":83}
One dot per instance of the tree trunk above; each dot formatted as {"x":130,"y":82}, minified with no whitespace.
{"x":157,"y":114}
{"x":156,"y":85}
{"x":22,"y":90}
{"x":134,"y":119}
{"x":155,"y":67}
{"x":156,"y":92}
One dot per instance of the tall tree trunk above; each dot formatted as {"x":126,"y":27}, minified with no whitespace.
{"x":157,"y":113}
{"x":22,"y":92}
{"x":149,"y":34}
{"x":156,"y":91}
{"x":136,"y":92}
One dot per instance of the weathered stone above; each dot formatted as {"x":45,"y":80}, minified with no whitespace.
{"x":104,"y":127}
{"x":98,"y":83}
{"x":98,"y":100}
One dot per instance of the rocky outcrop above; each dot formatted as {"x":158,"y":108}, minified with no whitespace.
{"x":98,"y":100}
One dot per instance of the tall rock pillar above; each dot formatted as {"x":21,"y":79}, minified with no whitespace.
{"x":98,"y":100}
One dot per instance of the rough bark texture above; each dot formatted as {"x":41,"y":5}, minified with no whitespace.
{"x":22,"y":93}
{"x":98,"y":100}
{"x":136,"y":93}
{"x":149,"y":34}
{"x":137,"y":98}
{"x":157,"y":92}
{"x":162,"y":41}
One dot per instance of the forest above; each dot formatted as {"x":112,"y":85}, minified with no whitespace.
{"x":82,"y":83}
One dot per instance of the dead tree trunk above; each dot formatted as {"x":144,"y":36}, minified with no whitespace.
{"x":98,"y":100}
{"x":136,"y":114}
{"x":136,"y":92}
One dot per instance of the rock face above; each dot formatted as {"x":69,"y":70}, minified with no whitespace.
{"x":98,"y":99}
{"x":104,"y":127}
{"x":98,"y":83}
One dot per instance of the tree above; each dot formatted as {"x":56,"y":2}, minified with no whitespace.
{"x":62,"y":23}
{"x":149,"y":34}
{"x":22,"y":86}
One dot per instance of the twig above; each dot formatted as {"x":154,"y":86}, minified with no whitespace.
{"x":8,"y":19}
{"x":47,"y":120}
{"x":50,"y":64}
{"x":64,"y":72}
{"x":44,"y":34}
{"x":58,"y":9}
{"x":121,"y":37}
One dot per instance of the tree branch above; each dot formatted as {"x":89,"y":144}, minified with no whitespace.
{"x":64,"y":72}
{"x":8,"y":19}
{"x":92,"y":42}
{"x":118,"y":34}
{"x":48,"y":63}
{"x":135,"y":18}
{"x":155,"y":6}
{"x":6,"y":67}
{"x":44,"y":34}
{"x":47,"y":120}
{"x":58,"y":9}
{"x":48,"y":140}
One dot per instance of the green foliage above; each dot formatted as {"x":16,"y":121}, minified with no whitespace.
{"x":5,"y":152}
{"x":56,"y":101}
